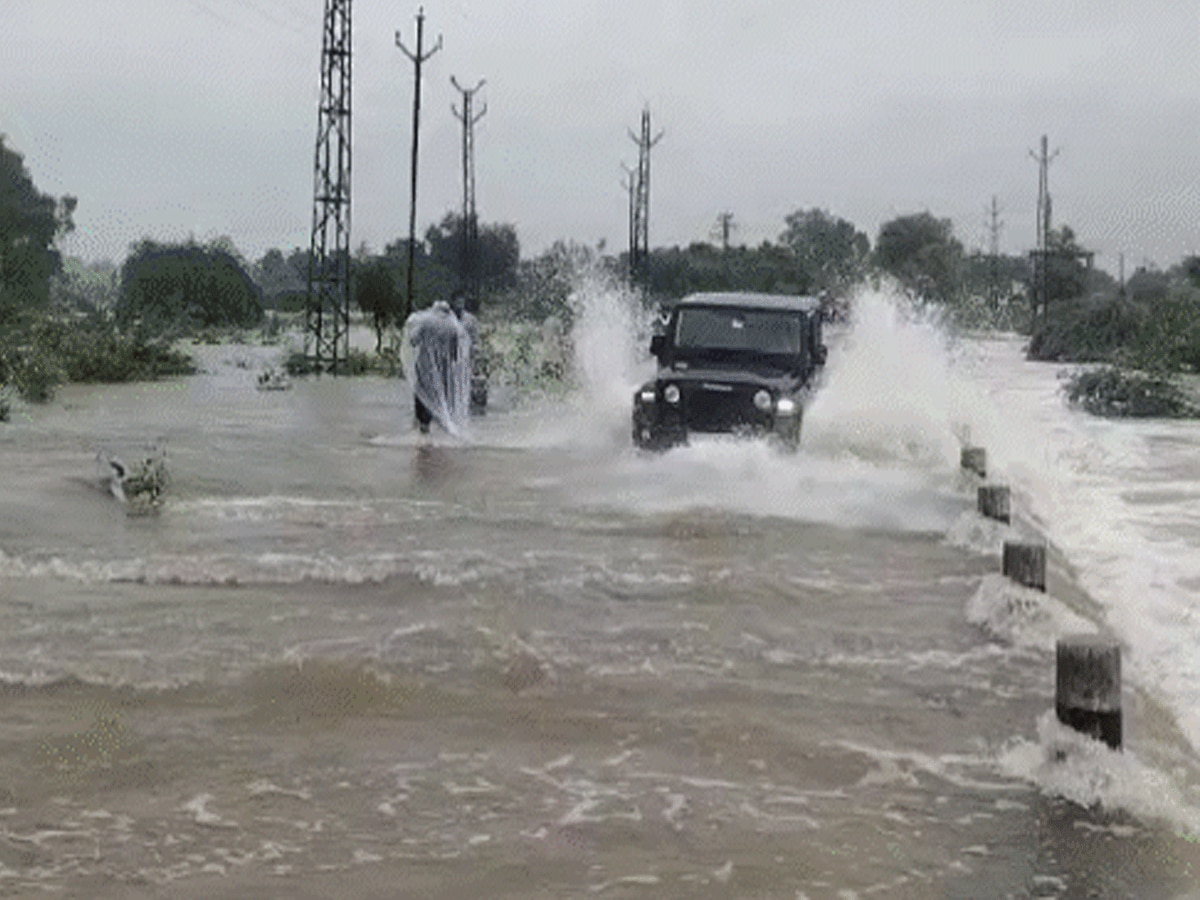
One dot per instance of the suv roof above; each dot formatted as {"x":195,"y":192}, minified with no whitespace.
{"x":791,"y":302}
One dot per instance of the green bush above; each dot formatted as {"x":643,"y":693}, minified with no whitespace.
{"x":95,"y":351}
{"x":36,"y":374}
{"x":1090,"y":330}
{"x":1126,"y":393}
{"x":52,"y":352}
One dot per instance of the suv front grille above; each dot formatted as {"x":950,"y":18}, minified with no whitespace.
{"x":717,"y":407}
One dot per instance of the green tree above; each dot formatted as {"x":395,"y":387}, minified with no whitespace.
{"x":376,"y":295}
{"x":1084,"y":317}
{"x":283,"y":280}
{"x":829,"y":251}
{"x":922,"y":254}
{"x":430,"y":281}
{"x":544,"y":284}
{"x":672,"y":272}
{"x":85,"y":287}
{"x":497,"y":252}
{"x":1189,"y":268}
{"x":1066,"y":267}
{"x":185,"y":286}
{"x":1148,"y":284}
{"x":29,"y":223}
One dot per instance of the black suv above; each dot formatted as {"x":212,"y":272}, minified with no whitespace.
{"x":733,"y":363}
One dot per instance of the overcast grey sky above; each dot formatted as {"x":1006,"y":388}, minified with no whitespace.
{"x":169,"y":118}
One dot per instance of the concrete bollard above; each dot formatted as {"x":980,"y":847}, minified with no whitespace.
{"x":974,"y":459}
{"x":1025,"y":564}
{"x":1087,"y":693}
{"x":994,"y":502}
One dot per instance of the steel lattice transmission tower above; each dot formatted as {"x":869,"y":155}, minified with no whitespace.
{"x":327,"y":319}
{"x":470,"y":220}
{"x":994,"y":226}
{"x":639,"y":238}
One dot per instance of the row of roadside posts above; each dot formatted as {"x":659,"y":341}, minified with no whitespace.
{"x":1087,"y":694}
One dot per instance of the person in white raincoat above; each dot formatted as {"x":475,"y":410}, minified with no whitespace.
{"x":437,"y":363}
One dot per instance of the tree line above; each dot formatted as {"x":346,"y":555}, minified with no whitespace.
{"x":162,"y":291}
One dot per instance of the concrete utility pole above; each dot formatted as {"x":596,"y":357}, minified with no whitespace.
{"x":1043,"y":227}
{"x":327,"y":309}
{"x":470,"y":223}
{"x":629,"y":183}
{"x":417,"y":59}
{"x":639,"y":247}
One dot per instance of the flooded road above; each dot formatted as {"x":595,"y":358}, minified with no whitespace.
{"x":349,"y":660}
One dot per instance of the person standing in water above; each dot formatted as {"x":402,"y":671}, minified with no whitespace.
{"x":438,"y":367}
{"x":478,"y":384}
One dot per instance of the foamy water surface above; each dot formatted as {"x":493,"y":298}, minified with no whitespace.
{"x":723,"y":670}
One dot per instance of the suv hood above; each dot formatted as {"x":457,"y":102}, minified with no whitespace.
{"x":693,"y":375}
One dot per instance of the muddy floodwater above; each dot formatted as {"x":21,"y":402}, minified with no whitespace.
{"x":349,"y":660}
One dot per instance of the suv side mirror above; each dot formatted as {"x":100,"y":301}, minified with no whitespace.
{"x":657,"y":345}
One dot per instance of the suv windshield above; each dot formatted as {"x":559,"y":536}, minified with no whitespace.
{"x":758,"y":331}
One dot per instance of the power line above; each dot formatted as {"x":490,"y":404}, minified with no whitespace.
{"x":209,"y":11}
{"x":263,"y":13}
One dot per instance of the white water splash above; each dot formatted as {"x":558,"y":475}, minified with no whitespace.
{"x":887,"y":394}
{"x":1064,"y":763}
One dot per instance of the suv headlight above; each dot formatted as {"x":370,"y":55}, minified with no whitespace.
{"x":647,"y":396}
{"x":762,"y":400}
{"x":786,"y":406}
{"x":671,"y":393}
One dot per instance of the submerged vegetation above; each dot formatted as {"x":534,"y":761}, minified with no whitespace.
{"x":1124,"y":393}
{"x":1144,"y":334}
{"x":6,"y":402}
{"x":145,"y":485}
{"x":52,"y":351}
